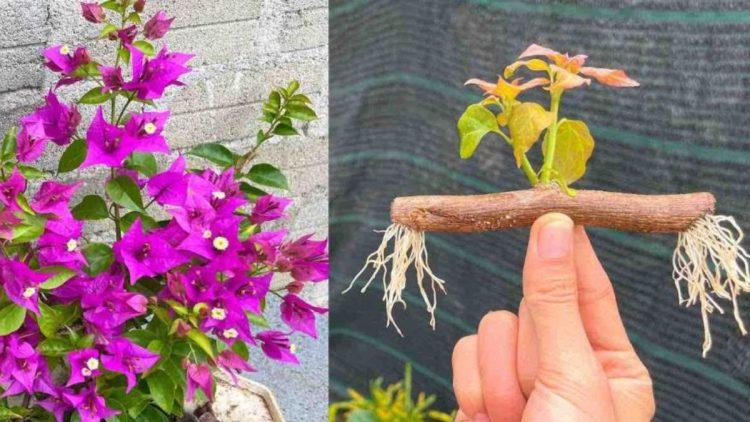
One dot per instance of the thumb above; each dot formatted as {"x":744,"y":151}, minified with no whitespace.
{"x":551,"y":294}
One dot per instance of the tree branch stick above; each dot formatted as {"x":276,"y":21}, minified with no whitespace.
{"x":498,"y":211}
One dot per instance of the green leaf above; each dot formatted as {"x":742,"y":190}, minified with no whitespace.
{"x":30,"y":228}
{"x":108,"y":29}
{"x":95,"y":96}
{"x":11,"y":318}
{"x":113,"y":5}
{"x":474,"y":124}
{"x":258,"y":320}
{"x":300,"y":112}
{"x":89,"y":69}
{"x":31,"y":173}
{"x":216,"y":153}
{"x":573,"y":148}
{"x":202,"y":340}
{"x":10,"y":141}
{"x":162,"y":390}
{"x":268,"y":175}
{"x":23,"y":202}
{"x":292,"y":87}
{"x":152,"y":414}
{"x":526,"y":123}
{"x":61,"y":275}
{"x":136,"y":19}
{"x":124,"y":54}
{"x":147,"y":222}
{"x":99,"y":257}
{"x":92,"y":207}
{"x":241,"y":349}
{"x":8,"y":414}
{"x":251,"y":192}
{"x":362,"y":415}
{"x":145,"y":47}
{"x":284,"y":129}
{"x":144,"y":163}
{"x":124,"y":191}
{"x":55,"y":347}
{"x":73,"y":156}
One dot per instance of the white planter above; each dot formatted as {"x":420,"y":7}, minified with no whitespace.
{"x":247,"y":401}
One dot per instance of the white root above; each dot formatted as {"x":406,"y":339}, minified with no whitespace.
{"x":710,"y":262}
{"x":408,"y":249}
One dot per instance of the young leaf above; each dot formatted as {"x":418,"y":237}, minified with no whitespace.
{"x":124,"y":191}
{"x":9,"y":144}
{"x":99,"y":256}
{"x":108,"y":29}
{"x":11,"y":318}
{"x":73,"y":156}
{"x":31,"y":173}
{"x":216,"y":153}
{"x":573,"y":147}
{"x":147,"y":222}
{"x":30,"y":228}
{"x":285,"y":129}
{"x":95,"y":96}
{"x":473,"y":125}
{"x":300,"y":112}
{"x":55,"y":347}
{"x":92,"y":207}
{"x":145,"y":47}
{"x":61,"y":275}
{"x":268,"y":175}
{"x":202,"y":340}
{"x":144,"y":163}
{"x":526,"y":123}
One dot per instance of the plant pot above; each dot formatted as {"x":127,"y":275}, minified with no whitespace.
{"x":246,"y":401}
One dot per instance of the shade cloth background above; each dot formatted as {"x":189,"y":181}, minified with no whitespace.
{"x":397,"y":69}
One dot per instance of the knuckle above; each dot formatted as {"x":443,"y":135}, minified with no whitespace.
{"x":468,"y":396}
{"x":551,"y":285}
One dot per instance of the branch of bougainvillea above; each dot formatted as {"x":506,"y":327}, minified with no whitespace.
{"x":267,"y":134}
{"x":131,"y":97}
{"x":498,"y":211}
{"x":118,"y":230}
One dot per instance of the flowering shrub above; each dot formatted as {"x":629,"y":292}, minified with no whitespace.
{"x":131,"y":329}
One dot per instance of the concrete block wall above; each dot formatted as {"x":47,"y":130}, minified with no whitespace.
{"x":242,"y":48}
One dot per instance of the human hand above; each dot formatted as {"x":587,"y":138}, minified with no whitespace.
{"x":566,"y":357}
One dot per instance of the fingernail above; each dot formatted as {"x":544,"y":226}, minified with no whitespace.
{"x":481,"y":417}
{"x":554,"y":238}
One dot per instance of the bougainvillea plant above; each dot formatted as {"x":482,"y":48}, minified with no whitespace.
{"x":130,"y":329}
{"x":709,"y":260}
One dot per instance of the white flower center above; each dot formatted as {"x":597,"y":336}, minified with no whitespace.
{"x":72,"y":245}
{"x":29,"y":292}
{"x":150,"y":128}
{"x":292,"y":348}
{"x":219,"y":195}
{"x":230,"y":333}
{"x":65,"y":49}
{"x":218,"y":314}
{"x":92,"y":364}
{"x":207,"y":234}
{"x":221,"y":243}
{"x":86,"y":372}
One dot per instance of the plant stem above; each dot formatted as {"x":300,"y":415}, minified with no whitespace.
{"x":549,"y":153}
{"x":526,"y":166}
{"x":125,"y":107}
{"x":248,"y":156}
{"x":118,"y":231}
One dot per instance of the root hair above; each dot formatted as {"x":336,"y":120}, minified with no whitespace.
{"x":408,"y":249}
{"x":709,"y":263}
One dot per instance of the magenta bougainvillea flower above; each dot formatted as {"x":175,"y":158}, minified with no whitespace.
{"x":62,"y":58}
{"x":127,"y":35}
{"x":111,"y":78}
{"x":93,"y":13}
{"x":145,"y":255}
{"x":150,"y":77}
{"x":144,"y":130}
{"x":170,"y":186}
{"x":90,"y":405}
{"x":129,"y":359}
{"x":198,"y":377}
{"x":105,"y":146}
{"x":56,"y":403}
{"x":106,"y":313}
{"x":299,"y":315}
{"x":20,"y":365}
{"x":276,"y":345}
{"x":54,"y":121}
{"x":60,"y":243}
{"x":53,"y":198}
{"x":269,"y":208}
{"x":157,"y":26}
{"x":84,"y":365}
{"x":232,"y":363}
{"x":13,"y":186}
{"x":21,"y":283}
